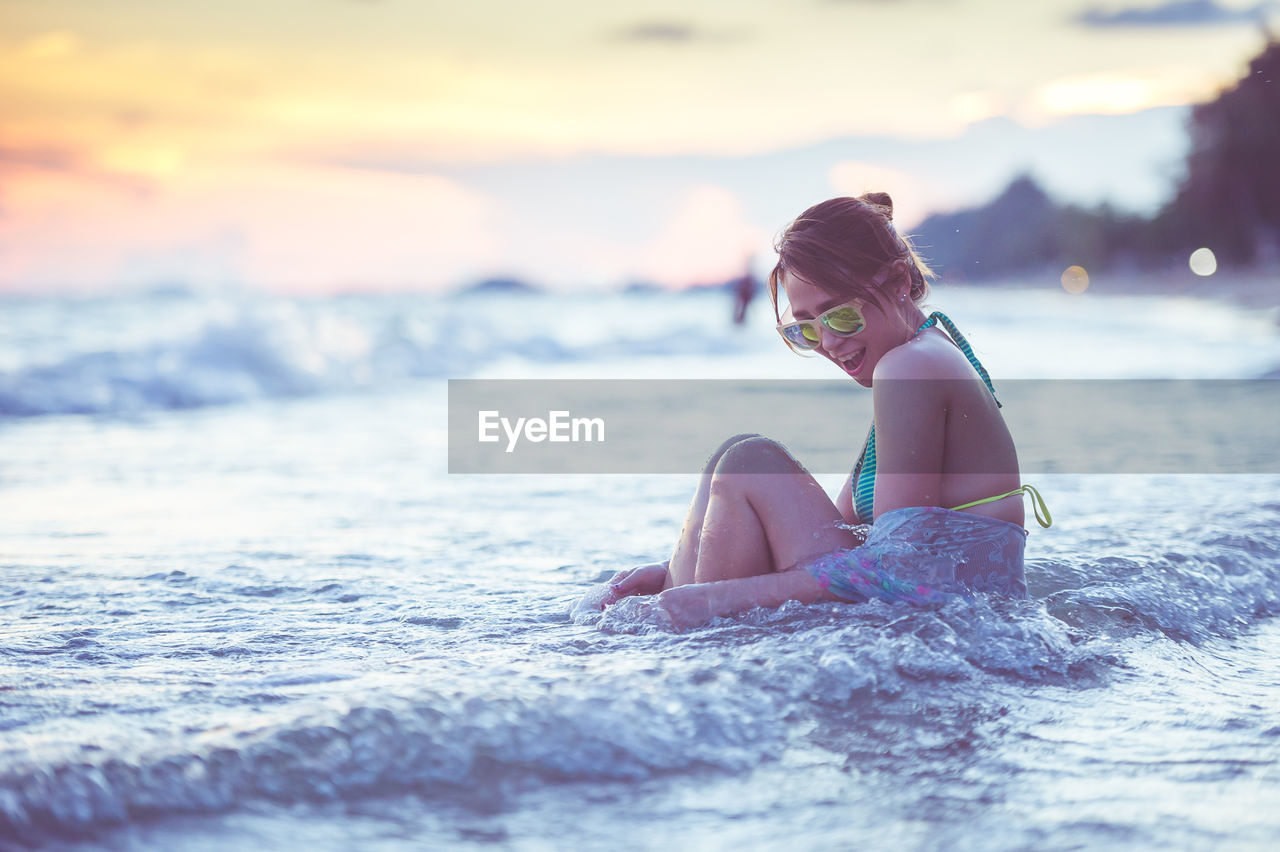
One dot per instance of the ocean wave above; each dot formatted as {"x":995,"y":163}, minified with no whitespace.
{"x":1186,"y":596}
{"x":550,"y":695}
{"x":258,"y":352}
{"x":726,"y":700}
{"x":226,"y":353}
{"x":1213,"y":584}
{"x":430,"y":743}
{"x":722,"y":699}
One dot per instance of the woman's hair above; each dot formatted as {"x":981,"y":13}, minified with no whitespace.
{"x":842,"y":244}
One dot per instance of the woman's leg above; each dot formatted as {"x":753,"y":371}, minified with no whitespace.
{"x":683,"y":561}
{"x":757,"y":510}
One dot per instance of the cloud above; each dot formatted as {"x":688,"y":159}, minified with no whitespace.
{"x":37,"y":157}
{"x":287,"y":227}
{"x":50,"y":45}
{"x":386,"y":217}
{"x":1177,"y":13}
{"x":17,"y":161}
{"x":668,"y":32}
{"x":705,"y":238}
{"x":913,"y":196}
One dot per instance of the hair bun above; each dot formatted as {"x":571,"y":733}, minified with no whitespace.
{"x":882,"y":200}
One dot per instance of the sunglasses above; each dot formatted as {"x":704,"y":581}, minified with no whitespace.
{"x":803,"y":336}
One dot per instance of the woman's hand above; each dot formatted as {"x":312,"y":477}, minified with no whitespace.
{"x":687,"y":606}
{"x":696,"y":604}
{"x":641,"y":580}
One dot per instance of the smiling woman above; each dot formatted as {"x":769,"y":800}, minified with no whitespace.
{"x":924,"y":516}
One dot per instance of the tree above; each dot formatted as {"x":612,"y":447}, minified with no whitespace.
{"x":1229,"y":198}
{"x":1023,"y":230}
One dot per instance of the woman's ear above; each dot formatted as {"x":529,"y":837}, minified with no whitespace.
{"x":900,"y":280}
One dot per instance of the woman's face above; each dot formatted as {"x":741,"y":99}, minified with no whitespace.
{"x":857,"y":354}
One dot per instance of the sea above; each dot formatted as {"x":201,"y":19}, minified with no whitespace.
{"x":244,"y":604}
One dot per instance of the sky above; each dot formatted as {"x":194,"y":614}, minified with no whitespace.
{"x":371,"y":145}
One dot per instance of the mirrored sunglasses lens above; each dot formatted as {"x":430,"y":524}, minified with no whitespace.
{"x":800,"y":336}
{"x":844,"y":321}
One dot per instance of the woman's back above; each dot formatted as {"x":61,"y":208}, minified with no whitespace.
{"x":935,"y":415}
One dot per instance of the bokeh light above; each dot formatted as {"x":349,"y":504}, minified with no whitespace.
{"x":1075,"y":280}
{"x":1203,"y":262}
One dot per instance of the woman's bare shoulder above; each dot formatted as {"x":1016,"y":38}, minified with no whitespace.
{"x":927,"y":356}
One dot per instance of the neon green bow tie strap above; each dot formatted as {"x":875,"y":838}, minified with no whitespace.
{"x":1038,"y":505}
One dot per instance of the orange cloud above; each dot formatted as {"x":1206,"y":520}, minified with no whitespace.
{"x":278,"y":226}
{"x":706,"y":239}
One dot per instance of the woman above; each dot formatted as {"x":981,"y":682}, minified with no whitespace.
{"x":761,"y":531}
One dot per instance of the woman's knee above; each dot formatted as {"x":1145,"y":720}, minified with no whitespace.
{"x":756,"y":454}
{"x":723,"y":448}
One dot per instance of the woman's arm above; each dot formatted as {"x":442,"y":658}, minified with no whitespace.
{"x":911,"y":435}
{"x":697,"y":603}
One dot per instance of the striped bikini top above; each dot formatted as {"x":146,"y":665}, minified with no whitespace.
{"x":864,"y":473}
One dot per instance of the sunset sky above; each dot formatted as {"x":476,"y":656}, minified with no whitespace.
{"x":391,"y":144}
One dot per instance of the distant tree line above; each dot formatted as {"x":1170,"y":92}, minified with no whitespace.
{"x":1228,"y":200}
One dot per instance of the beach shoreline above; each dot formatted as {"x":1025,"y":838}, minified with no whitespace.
{"x":1255,"y":288}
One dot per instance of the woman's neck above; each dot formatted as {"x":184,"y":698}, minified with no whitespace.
{"x":912,"y":319}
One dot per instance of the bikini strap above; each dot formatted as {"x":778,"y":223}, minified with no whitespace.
{"x":939,"y":318}
{"x":1038,"y":506}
